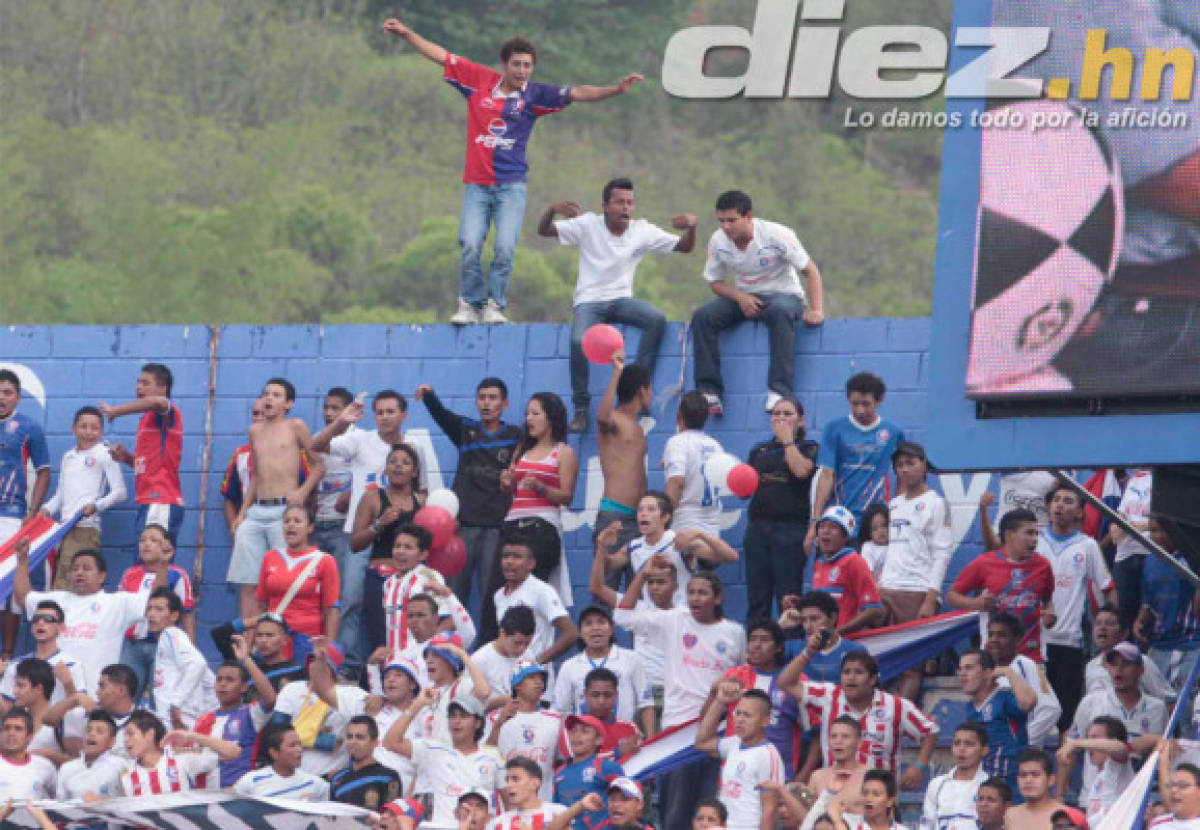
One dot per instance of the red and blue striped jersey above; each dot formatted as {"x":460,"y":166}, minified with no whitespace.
{"x":498,"y":126}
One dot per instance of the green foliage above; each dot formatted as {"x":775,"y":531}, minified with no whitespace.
{"x":249,"y":161}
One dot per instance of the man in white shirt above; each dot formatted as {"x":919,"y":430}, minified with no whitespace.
{"x":748,"y":759}
{"x":696,"y":499}
{"x":184,"y":686}
{"x":764,"y":259}
{"x":1106,"y":633}
{"x":282,"y":777}
{"x":157,"y":768}
{"x":610,"y":247}
{"x":98,"y":769}
{"x":499,"y":658}
{"x":44,"y":626}
{"x":1079,"y":573}
{"x":96,"y":619}
{"x":521,"y":587}
{"x":1131,"y":555}
{"x":522,"y":783}
{"x":950,"y":798}
{"x":366,"y":451}
{"x":320,"y":709}
{"x":521,"y":728}
{"x":22,"y":776}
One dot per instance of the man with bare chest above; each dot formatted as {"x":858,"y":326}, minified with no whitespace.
{"x":276,"y":445}
{"x":622,"y":448}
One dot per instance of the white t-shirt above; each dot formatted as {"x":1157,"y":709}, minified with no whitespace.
{"x":1172,"y":823}
{"x":90,"y":476}
{"x":296,"y":695}
{"x":1147,"y":717}
{"x":95,"y":625}
{"x":769,"y":265}
{"x":182,"y":677}
{"x":448,"y":773}
{"x":695,"y":655}
{"x":523,"y":819}
{"x":1046,"y":712}
{"x":1078,"y":566}
{"x":102,"y":777}
{"x":497,"y":668}
{"x":699,"y":502}
{"x":1096,"y":678}
{"x":920,"y":543}
{"x":640,"y":552}
{"x":174,"y":773}
{"x":1025,"y":490}
{"x":1106,"y":784}
{"x":633,"y":692}
{"x":366,"y":453}
{"x":267,"y":783}
{"x":537,"y":736}
{"x":950,"y":803}
{"x":9,"y":680}
{"x":607,"y":262}
{"x":875,"y":556}
{"x":387,"y":716}
{"x":338,"y":479}
{"x":1135,"y":506}
{"x":539,"y":598}
{"x":34,"y":778}
{"x":742,"y":770}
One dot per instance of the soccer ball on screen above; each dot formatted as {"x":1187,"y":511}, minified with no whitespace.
{"x":1051,"y":214}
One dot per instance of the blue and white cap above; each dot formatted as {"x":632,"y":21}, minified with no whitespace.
{"x":840,"y":516}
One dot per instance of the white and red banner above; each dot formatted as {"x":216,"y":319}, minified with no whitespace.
{"x":44,"y":535}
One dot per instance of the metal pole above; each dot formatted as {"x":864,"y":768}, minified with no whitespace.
{"x":1116,"y":518}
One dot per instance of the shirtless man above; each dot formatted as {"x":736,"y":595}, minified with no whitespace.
{"x":842,"y":780}
{"x":621,"y":444}
{"x":276,"y":443}
{"x":1034,"y":771}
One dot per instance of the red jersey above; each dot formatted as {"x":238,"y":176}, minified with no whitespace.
{"x":1020,"y":588}
{"x":321,"y":589}
{"x":846,"y":577}
{"x":498,"y":125}
{"x":157,"y":452}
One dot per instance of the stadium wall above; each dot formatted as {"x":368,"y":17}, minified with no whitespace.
{"x":65,"y":367}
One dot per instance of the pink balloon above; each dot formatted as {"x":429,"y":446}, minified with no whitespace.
{"x":742,"y":481}
{"x":600,"y":342}
{"x":438,"y":521}
{"x":451,"y":558}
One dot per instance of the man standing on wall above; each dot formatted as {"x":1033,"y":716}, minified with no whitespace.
{"x":501,"y":110}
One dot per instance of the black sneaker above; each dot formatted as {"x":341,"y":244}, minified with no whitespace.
{"x":580,"y":422}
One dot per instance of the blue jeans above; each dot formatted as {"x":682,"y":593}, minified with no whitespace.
{"x":637,"y":313}
{"x":352,"y":567}
{"x":483,"y":205}
{"x":780,"y":312}
{"x":775,"y":562}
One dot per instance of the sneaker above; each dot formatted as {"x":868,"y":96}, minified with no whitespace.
{"x":580,"y":422}
{"x":492,"y":313}
{"x":714,"y":405}
{"x":773,"y":398}
{"x":466,"y":314}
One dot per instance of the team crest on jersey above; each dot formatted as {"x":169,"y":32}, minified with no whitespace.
{"x":833,"y":574}
{"x":883,"y":436}
{"x":589,"y":775}
{"x":689,"y":640}
{"x":12,"y":425}
{"x":89,"y":462}
{"x":172,"y":773}
{"x":527,"y":734}
{"x":763,"y":262}
{"x":986,"y":712}
{"x":920,"y":507}
{"x":234,"y":729}
{"x":721,"y":647}
{"x":1078,"y":557}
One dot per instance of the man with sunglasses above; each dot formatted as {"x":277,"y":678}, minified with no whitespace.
{"x":45,"y":626}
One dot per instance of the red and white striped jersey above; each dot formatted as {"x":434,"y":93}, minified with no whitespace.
{"x":884,"y":722}
{"x":172,"y":774}
{"x":536,"y":819}
{"x":397,"y":591}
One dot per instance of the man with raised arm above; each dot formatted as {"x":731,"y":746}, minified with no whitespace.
{"x":611,"y":244}
{"x":501,"y":110}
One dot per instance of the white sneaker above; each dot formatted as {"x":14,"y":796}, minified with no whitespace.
{"x":466,"y":314}
{"x":773,"y":398}
{"x":492,"y":313}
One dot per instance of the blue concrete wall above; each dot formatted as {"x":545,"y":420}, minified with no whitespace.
{"x":77,"y":365}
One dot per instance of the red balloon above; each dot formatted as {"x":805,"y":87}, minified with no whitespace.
{"x":451,"y":558}
{"x":742,"y":481}
{"x":438,"y":521}
{"x":600,"y":342}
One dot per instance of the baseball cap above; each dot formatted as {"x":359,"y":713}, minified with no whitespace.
{"x":405,"y":807}
{"x":526,"y":669}
{"x":406,"y":665}
{"x":469,"y":704}
{"x":437,"y":645}
{"x":596,"y":610}
{"x":840,"y":516}
{"x":588,"y":720}
{"x":1073,"y":815}
{"x":1126,"y":650}
{"x":628,"y":786}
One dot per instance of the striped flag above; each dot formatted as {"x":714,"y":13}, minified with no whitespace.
{"x":44,"y":535}
{"x":201,"y":811}
{"x":897,"y":648}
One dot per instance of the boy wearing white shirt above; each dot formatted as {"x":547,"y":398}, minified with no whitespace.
{"x":89,"y":480}
{"x":765,"y":260}
{"x":1108,"y":761}
{"x":522,"y":784}
{"x":500,"y":658}
{"x":695,"y":499}
{"x":610,"y":247}
{"x":23,"y":776}
{"x":97,"y":770}
{"x":950,"y":798}
{"x":44,"y":626}
{"x":282,"y":777}
{"x":521,"y":728}
{"x":601,"y":651}
{"x":521,"y":587}
{"x":157,"y":769}
{"x":749,"y":759}
{"x":184,"y":685}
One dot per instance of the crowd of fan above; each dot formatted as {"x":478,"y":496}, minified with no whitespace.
{"x":393,"y":696}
